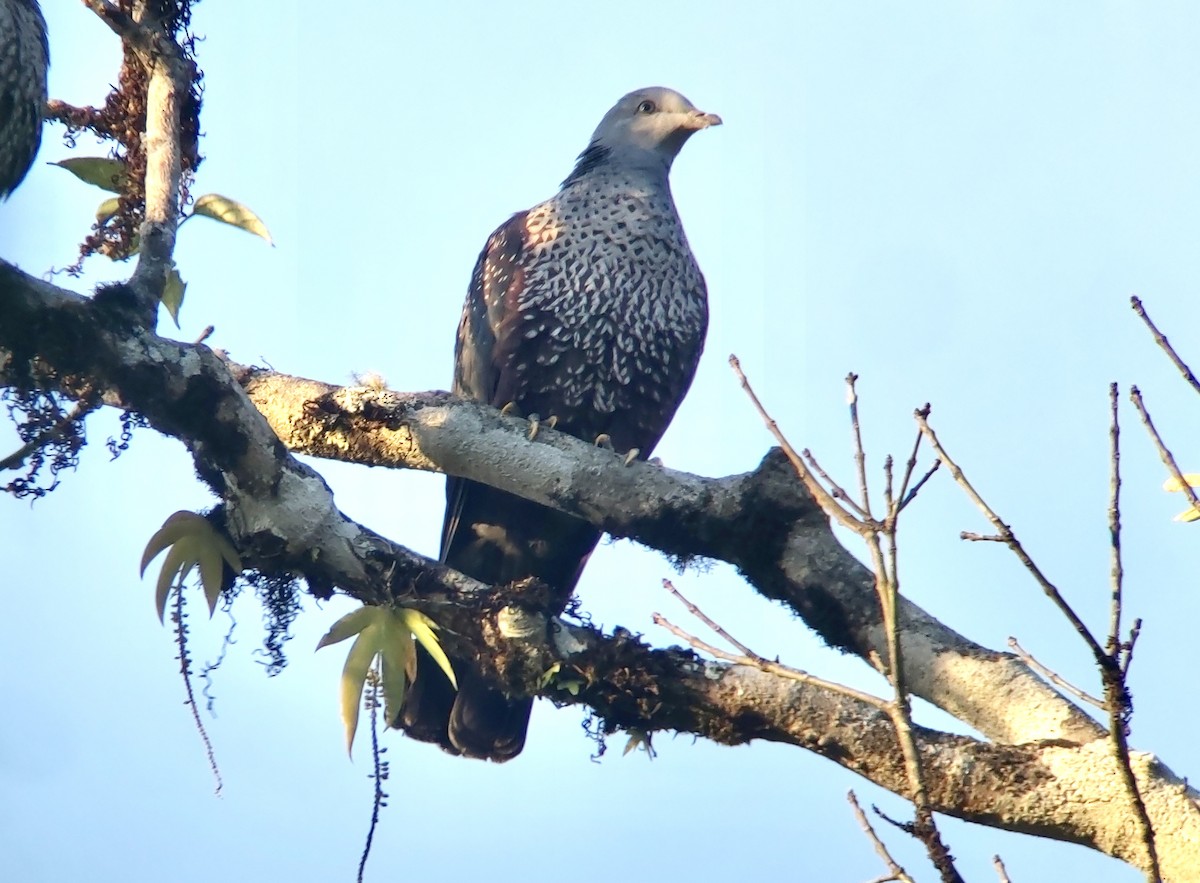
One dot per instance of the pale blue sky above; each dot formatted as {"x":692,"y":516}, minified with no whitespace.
{"x":953,"y":200}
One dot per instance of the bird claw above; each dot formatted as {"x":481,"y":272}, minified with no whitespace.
{"x":604,"y":440}
{"x":510,"y":410}
{"x":535,"y":424}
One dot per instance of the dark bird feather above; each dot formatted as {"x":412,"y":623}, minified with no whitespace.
{"x":24,"y":59}
{"x":588,"y":307}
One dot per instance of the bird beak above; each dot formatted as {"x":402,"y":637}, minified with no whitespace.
{"x":697,"y":120}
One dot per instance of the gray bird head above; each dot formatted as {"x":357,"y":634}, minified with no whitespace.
{"x":647,"y":128}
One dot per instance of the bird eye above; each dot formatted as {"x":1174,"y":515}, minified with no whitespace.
{"x":647,"y":107}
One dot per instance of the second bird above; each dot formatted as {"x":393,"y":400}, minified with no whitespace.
{"x":589,"y":308}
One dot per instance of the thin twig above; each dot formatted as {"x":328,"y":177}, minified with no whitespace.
{"x":827,"y":503}
{"x":905,"y":499}
{"x":1052,"y":676}
{"x":1114,"y":523}
{"x":1127,"y":647}
{"x":835,"y":489}
{"x":746,"y":656}
{"x":1010,"y":539}
{"x":1162,"y":341}
{"x":889,"y":498}
{"x":1001,"y":871}
{"x":708,"y":621}
{"x":860,"y":455}
{"x":1116,"y":690}
{"x":910,"y":466}
{"x":981,"y":537}
{"x":1135,"y":396}
{"x":896,"y":872}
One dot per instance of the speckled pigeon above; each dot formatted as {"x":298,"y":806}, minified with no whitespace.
{"x":24,"y":57}
{"x":588,"y":308}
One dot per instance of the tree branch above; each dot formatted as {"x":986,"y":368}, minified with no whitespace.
{"x":283,"y":519}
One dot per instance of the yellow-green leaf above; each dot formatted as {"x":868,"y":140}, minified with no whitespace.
{"x":176,"y":566}
{"x":107,"y":209}
{"x":1172,"y":483}
{"x":230,"y":211}
{"x":100,"y":171}
{"x":354,"y":677}
{"x":386,"y":632}
{"x":193,"y":541}
{"x":173,"y":292}
{"x":176,"y":526}
{"x":422,"y":628}
{"x":639,"y":739}
{"x":350,"y":624}
{"x":396,"y":652}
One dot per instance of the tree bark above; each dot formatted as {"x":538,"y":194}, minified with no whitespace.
{"x":1044,"y":767}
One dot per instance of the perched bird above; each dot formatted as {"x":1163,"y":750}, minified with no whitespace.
{"x":24,"y":58}
{"x":589,"y":309}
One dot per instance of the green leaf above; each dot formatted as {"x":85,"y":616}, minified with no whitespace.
{"x":173,"y":292}
{"x":100,"y":171}
{"x":386,"y":632}
{"x":106,"y":210}
{"x":350,"y":624}
{"x":354,"y":677}
{"x":192,"y":541}
{"x":422,"y":628}
{"x":396,"y":652}
{"x":232,"y":212}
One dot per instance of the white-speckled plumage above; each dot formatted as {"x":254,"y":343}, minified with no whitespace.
{"x":589,"y":307}
{"x":24,"y":58}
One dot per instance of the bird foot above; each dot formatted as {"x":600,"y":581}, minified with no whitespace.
{"x":510,"y":410}
{"x":536,"y":423}
{"x":604,"y":440}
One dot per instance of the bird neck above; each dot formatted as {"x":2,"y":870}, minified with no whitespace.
{"x":599,"y":158}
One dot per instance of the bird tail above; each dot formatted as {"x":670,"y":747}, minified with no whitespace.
{"x":482,"y":721}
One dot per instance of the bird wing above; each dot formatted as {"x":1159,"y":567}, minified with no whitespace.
{"x":488,"y":315}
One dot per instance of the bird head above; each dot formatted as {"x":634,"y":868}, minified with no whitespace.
{"x":649,"y":126}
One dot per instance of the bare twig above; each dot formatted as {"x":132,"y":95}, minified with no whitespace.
{"x":824,"y":499}
{"x":746,"y":656}
{"x":1135,"y":396}
{"x":1010,"y":539}
{"x":1116,"y":690}
{"x":1001,"y":871}
{"x":708,"y":621}
{"x":860,"y":455}
{"x":981,"y":537}
{"x":1114,"y":523}
{"x":1052,"y":676}
{"x":835,"y":489}
{"x":1127,"y":647}
{"x":1162,"y":341}
{"x":895,"y":871}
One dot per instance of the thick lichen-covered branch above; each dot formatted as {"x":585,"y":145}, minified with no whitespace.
{"x":283,"y":519}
